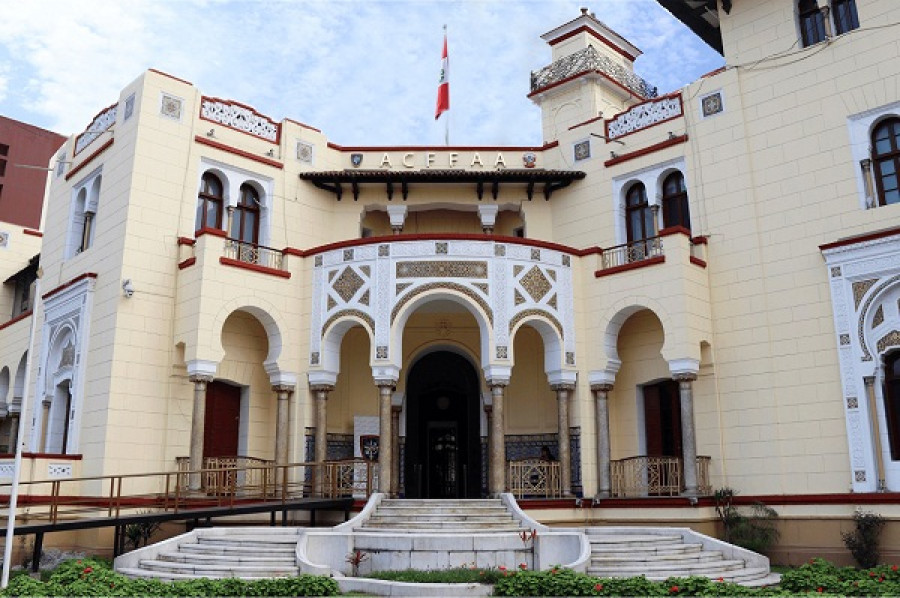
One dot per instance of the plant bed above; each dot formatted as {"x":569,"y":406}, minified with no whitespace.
{"x":457,"y":575}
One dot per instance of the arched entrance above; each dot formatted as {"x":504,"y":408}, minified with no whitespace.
{"x":443,"y":439}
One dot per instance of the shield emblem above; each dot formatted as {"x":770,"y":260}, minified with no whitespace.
{"x":368,"y":446}
{"x":356,"y":159}
{"x":529,"y":159}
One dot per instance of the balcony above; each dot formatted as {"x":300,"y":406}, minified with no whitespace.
{"x":631,"y":253}
{"x":533,"y":478}
{"x":586,"y":61}
{"x":654,"y":476}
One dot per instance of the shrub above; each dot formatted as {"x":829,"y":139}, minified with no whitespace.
{"x":755,"y":531}
{"x":139,"y":534}
{"x":863,"y":541}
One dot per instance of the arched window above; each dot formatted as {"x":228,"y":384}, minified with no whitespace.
{"x":812,"y":22}
{"x":845,"y":17}
{"x":245,"y":220}
{"x":886,"y":160}
{"x":209,"y":203}
{"x":638,"y":215}
{"x":892,"y":401}
{"x":675,"y":202}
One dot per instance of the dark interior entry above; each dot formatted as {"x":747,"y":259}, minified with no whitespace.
{"x":222,"y":421}
{"x":662,"y":419}
{"x":443,"y":440}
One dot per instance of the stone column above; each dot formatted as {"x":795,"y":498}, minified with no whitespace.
{"x":395,"y":441}
{"x":321,"y":437}
{"x":45,"y":423}
{"x":489,"y":413}
{"x":497,"y":483}
{"x":198,"y":421}
{"x":282,"y":422}
{"x":563,"y":392}
{"x":601,"y":407}
{"x":876,"y":432}
{"x":868,"y":182}
{"x":385,"y":450}
{"x":688,"y":436}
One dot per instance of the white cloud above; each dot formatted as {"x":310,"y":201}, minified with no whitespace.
{"x":363,"y":72}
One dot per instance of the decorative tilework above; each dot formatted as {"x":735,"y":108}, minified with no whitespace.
{"x":349,"y":312}
{"x":170,"y":106}
{"x":347,"y":284}
{"x":366,"y":270}
{"x":500,"y":250}
{"x":58,"y":471}
{"x":835,"y":271}
{"x":878,"y":318}
{"x":331,"y":275}
{"x":364,"y":299}
{"x":551,"y":274}
{"x":535,"y":312}
{"x":331,"y":303}
{"x":517,"y":270}
{"x":566,"y":260}
{"x":862,"y":314}
{"x":348,"y":255}
{"x":582,"y":150}
{"x":384,"y":250}
{"x":852,"y":403}
{"x":845,"y":339}
{"x":860,"y":288}
{"x":518,"y":298}
{"x":460,"y":269}
{"x":381,"y":352}
{"x":535,"y":253}
{"x":402,"y":287}
{"x":570,"y":358}
{"x":502,"y":352}
{"x":314,"y":358}
{"x":711,"y":104}
{"x":890,"y":339}
{"x":444,"y":285}
{"x":318,"y":260}
{"x":552,"y":302}
{"x":440,"y":248}
{"x":304,"y":152}
{"x":859,"y":475}
{"x":129,"y":107}
{"x":536,"y":284}
{"x":482,"y":286}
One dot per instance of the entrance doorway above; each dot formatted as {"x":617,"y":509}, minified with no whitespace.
{"x":443,"y":440}
{"x":222,"y":422}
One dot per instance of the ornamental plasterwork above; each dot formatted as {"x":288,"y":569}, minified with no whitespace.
{"x":101,"y":123}
{"x":402,"y":286}
{"x":349,"y":313}
{"x":347,"y":284}
{"x":170,"y":106}
{"x":364,"y":299}
{"x":891,"y":339}
{"x":240,"y":118}
{"x":587,"y":60}
{"x":518,"y":299}
{"x":448,"y":269}
{"x":452,"y":286}
{"x":535,"y":284}
{"x":482,"y":286}
{"x":304,"y":152}
{"x":860,"y":328}
{"x":860,"y":288}
{"x":878,"y":318}
{"x":526,"y":313}
{"x":644,"y":115}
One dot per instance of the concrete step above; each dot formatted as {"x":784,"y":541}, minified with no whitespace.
{"x":671,"y":559}
{"x":249,"y":541}
{"x":279,"y":560}
{"x":168,"y":576}
{"x":407,"y":529}
{"x":659,"y":570}
{"x":641,"y":553}
{"x":468,"y":502}
{"x":633,"y":541}
{"x":424,"y":511}
{"x":439,"y":517}
{"x":218,"y":548}
{"x":209,"y":570}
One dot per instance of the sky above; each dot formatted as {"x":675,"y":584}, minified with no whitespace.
{"x":364,"y":72}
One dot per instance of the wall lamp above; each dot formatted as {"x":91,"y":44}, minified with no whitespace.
{"x":127,"y":288}
{"x":211,"y":133}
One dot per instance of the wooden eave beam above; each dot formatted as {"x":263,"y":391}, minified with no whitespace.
{"x":684,"y":13}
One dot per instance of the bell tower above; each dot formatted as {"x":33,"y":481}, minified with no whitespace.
{"x":592,"y":72}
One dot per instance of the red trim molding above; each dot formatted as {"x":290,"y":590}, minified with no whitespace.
{"x":674,"y":230}
{"x":647,"y":150}
{"x":659,"y":259}
{"x":87,"y":160}
{"x":450,"y":148}
{"x":33,"y":233}
{"x":66,"y":285}
{"x":592,"y":33}
{"x":60,"y":456}
{"x":587,"y":122}
{"x":700,"y":240}
{"x":863,"y":498}
{"x":210,"y":231}
{"x":237,"y":152}
{"x":583,"y":74}
{"x":698,"y":262}
{"x":300,"y":124}
{"x":187,"y":241}
{"x":169,"y":76}
{"x":888,"y":232}
{"x":187,"y":263}
{"x":22,"y":316}
{"x":254,"y":267}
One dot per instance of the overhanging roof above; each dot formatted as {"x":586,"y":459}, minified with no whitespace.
{"x":548,"y":181}
{"x":701,"y":16}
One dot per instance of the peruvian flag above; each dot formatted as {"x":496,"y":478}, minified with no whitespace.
{"x":443,"y":96}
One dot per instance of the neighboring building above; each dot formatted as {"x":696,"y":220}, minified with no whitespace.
{"x":25,"y":152}
{"x":710,"y":275}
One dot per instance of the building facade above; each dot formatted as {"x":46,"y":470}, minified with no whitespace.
{"x":673,"y":293}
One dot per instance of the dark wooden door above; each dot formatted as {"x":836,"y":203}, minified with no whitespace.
{"x":222,"y":422}
{"x":662,"y":419}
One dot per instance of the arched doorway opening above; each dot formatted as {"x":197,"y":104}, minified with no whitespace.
{"x":443,"y":436}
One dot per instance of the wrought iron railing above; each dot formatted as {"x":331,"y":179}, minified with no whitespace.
{"x":589,"y":59}
{"x":628,"y":253}
{"x":251,"y":253}
{"x":533,"y":477}
{"x":351,"y":477}
{"x":654,"y":476}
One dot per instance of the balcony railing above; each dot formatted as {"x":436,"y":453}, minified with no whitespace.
{"x":655,"y":476}
{"x":533,"y":477}
{"x":589,"y":59}
{"x":251,"y":253}
{"x":629,"y":253}
{"x":351,"y":477}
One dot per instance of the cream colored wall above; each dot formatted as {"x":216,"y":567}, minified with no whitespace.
{"x":355,"y":392}
{"x":529,"y":403}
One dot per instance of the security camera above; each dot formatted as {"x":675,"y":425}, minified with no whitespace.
{"x":127,"y":288}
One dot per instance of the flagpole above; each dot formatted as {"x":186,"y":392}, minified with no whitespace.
{"x":446,"y":120}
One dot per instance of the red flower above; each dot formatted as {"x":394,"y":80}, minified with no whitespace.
{"x":502,"y":568}
{"x":523,"y":566}
{"x":871,"y":574}
{"x":721,"y":579}
{"x":673,"y":590}
{"x":88,"y":570}
{"x":819,"y":589}
{"x":598,"y":587}
{"x":894,"y":568}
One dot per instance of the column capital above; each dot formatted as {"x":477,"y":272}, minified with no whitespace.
{"x":283,"y":388}
{"x":396,"y":408}
{"x":497,"y":382}
{"x":47,"y":401}
{"x":687,"y":365}
{"x":204,"y":378}
{"x":601,"y":387}
{"x":386,"y":383}
{"x":567,"y":386}
{"x":326,"y":388}
{"x":684,"y":376}
{"x":201,"y":367}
